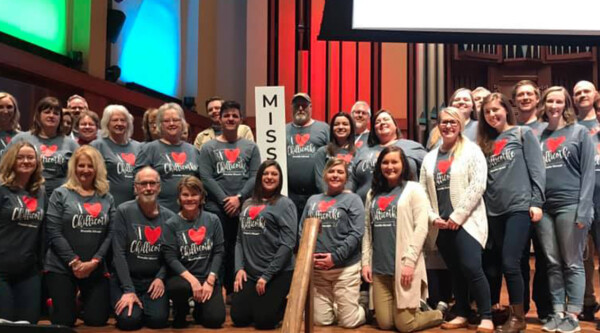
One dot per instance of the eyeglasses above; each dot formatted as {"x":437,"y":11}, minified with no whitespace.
{"x":360,"y":112}
{"x":450,"y":123}
{"x":148,"y":183}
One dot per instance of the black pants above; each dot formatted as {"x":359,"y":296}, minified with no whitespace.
{"x":540,"y":291}
{"x":264,"y":311}
{"x":210,"y":314}
{"x":155,"y":313}
{"x":508,"y":235}
{"x":230,"y":229}
{"x":94,"y":294}
{"x":462,"y":254}
{"x":439,"y":284}
{"x":20,"y":297}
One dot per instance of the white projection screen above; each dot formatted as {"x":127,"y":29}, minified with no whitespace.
{"x":575,"y":17}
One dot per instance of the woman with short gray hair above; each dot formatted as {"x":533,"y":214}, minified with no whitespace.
{"x":119,"y":151}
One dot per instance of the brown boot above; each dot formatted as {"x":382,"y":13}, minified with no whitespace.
{"x":515,"y":322}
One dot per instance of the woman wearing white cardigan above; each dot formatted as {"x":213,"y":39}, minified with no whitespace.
{"x":396,"y":226}
{"x":454,"y":176}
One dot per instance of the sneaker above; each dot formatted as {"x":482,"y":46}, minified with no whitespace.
{"x":552,"y":322}
{"x":443,"y":307}
{"x":588,"y":312}
{"x":368,"y":312}
{"x":423,"y":306}
{"x":568,"y":325}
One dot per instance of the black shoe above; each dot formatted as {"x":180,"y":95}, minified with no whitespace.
{"x":588,"y":312}
{"x":474,"y":320}
{"x":598,"y":326}
{"x":180,"y":323}
{"x":499,"y":316}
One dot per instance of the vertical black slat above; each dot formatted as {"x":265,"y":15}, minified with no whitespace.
{"x":340,"y":86}
{"x":356,"y":78}
{"x":327,"y":77}
{"x":307,"y":10}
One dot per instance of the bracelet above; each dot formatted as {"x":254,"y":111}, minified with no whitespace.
{"x":210,"y":284}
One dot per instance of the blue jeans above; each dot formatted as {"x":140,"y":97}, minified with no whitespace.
{"x":563,"y":244}
{"x":508,"y":235}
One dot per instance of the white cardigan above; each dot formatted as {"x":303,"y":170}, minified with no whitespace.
{"x":468,"y":179}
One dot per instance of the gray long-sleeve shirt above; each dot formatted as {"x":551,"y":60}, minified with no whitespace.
{"x":321,"y":158}
{"x":569,"y":156}
{"x":516,"y":173}
{"x":302,"y":144}
{"x":77,"y":227}
{"x":228,"y":169}
{"x":361,"y":170}
{"x":266,"y":238}
{"x":55,"y":154}
{"x":342,"y":225}
{"x":136,"y":244}
{"x":172,"y":162}
{"x":120,"y":161}
{"x":196,"y":246}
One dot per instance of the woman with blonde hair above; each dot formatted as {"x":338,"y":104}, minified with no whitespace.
{"x":454,"y":177}
{"x":22,"y":200}
{"x":337,"y":254}
{"x":568,"y":153}
{"x":396,"y":226}
{"x":78,"y":217}
{"x":87,"y":126}
{"x":9,"y":119}
{"x":119,"y":151}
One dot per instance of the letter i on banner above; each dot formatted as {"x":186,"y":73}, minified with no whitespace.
{"x":270,"y":127}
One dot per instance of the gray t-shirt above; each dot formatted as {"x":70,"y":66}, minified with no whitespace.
{"x":537,"y":127}
{"x":441,"y":175}
{"x":172,"y":162}
{"x":302,"y":144}
{"x":592,"y":125}
{"x":228,"y":169}
{"x":384,"y":213}
{"x":362,"y":140}
{"x":5,"y":139}
{"x":569,"y":156}
{"x":55,"y":154}
{"x":516,"y":173}
{"x":120,"y":161}
{"x":342,"y":225}
{"x":266,"y":238}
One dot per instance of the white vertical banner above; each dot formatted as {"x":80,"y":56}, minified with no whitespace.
{"x":270,"y":127}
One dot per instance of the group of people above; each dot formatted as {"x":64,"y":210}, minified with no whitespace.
{"x":98,"y":224}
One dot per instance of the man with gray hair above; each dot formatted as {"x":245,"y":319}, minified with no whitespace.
{"x":361,"y":113}
{"x":137,"y":289}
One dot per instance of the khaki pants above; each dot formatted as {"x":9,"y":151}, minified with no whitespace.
{"x":336,"y":296}
{"x":389,"y":316}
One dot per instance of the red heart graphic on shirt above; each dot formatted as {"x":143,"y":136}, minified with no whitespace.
{"x":346,"y":157}
{"x":499,"y":145}
{"x":359,"y":144}
{"x":232,"y":154}
{"x":197,"y":235}
{"x":302,"y":139}
{"x":325,"y":205}
{"x":255,"y":210}
{"x":48,"y":150}
{"x":93,"y":208}
{"x":554,"y":143}
{"x":444,"y":165}
{"x":179,"y":158}
{"x":7,"y":139}
{"x":30,"y":202}
{"x":152,"y":234}
{"x":594,"y":130}
{"x":384,"y":202}
{"x":598,"y":148}
{"x":129,"y":158}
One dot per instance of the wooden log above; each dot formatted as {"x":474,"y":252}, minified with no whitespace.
{"x":301,"y":281}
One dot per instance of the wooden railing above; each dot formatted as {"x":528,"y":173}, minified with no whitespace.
{"x":300,"y":299}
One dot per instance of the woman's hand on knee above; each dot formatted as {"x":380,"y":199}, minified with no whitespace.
{"x":240,"y":278}
{"x":367,"y":274}
{"x":406,"y":275}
